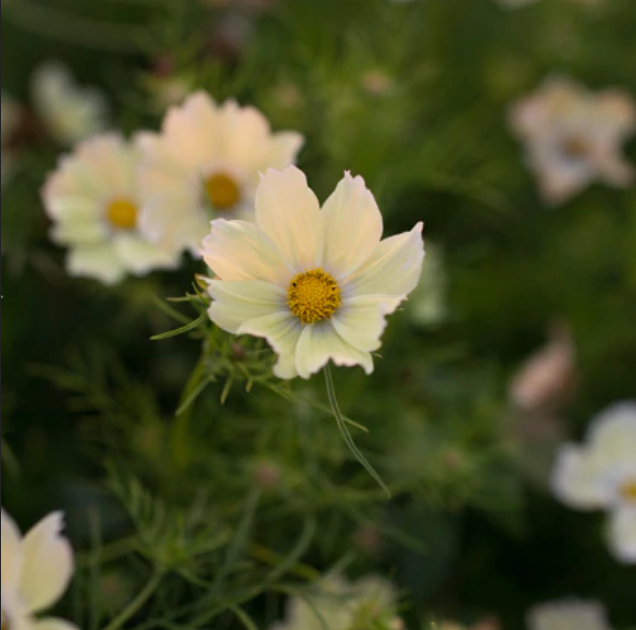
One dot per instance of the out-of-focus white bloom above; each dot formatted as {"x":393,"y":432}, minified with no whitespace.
{"x":69,"y":113}
{"x":93,"y":200}
{"x":369,"y":604}
{"x":602,"y":475}
{"x":568,"y":615}
{"x":206,"y":164}
{"x":9,"y":120}
{"x":36,"y":570}
{"x":547,"y":377}
{"x":317,"y":284}
{"x":427,"y":303}
{"x":573,"y":136}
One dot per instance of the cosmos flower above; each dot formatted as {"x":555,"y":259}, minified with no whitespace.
{"x":573,"y":137}
{"x":10,"y":119}
{"x":93,"y":200}
{"x":205,"y":164}
{"x":368,"y":604}
{"x":316,"y":283}
{"x":36,"y":570}
{"x":68,"y":112}
{"x":601,"y":474}
{"x":568,"y":615}
{"x":547,"y":377}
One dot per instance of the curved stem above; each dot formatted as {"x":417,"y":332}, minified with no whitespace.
{"x":133,"y":607}
{"x":342,"y":425}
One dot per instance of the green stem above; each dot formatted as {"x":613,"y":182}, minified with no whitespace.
{"x":134,"y":606}
{"x":342,"y":425}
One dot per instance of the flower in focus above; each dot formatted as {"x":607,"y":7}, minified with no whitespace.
{"x":573,"y":137}
{"x":36,"y":570}
{"x":368,"y":604}
{"x":93,"y":200}
{"x":568,"y":615}
{"x":547,"y":378}
{"x":9,"y":123}
{"x":70,"y":113}
{"x":602,"y":475}
{"x":317,"y":284}
{"x":427,"y":304}
{"x":205,"y":164}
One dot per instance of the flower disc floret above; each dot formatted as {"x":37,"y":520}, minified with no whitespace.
{"x":223,"y":191}
{"x":313,"y":296}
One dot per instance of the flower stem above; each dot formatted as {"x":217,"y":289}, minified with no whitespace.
{"x":133,"y":607}
{"x":342,"y":425}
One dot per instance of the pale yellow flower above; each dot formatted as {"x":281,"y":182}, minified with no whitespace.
{"x":368,"y":604}
{"x":93,"y":199}
{"x":568,"y":615}
{"x":573,"y":137}
{"x":69,"y":113}
{"x":316,"y":283}
{"x":36,"y":570}
{"x":601,"y":474}
{"x":205,"y":164}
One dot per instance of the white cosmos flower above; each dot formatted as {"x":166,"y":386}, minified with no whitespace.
{"x":205,"y":164}
{"x":9,"y":120}
{"x":316,"y":283}
{"x":368,"y":604}
{"x":70,"y":113}
{"x":36,"y":570}
{"x":573,"y":136}
{"x":93,"y":200}
{"x":568,"y":615}
{"x":602,"y":475}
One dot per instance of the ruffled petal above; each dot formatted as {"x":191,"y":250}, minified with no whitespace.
{"x":622,"y":533}
{"x":353,"y":227}
{"x":578,"y":482}
{"x":288,"y":212}
{"x":238,"y":250}
{"x":282,"y":331}
{"x":51,"y":623}
{"x":99,"y":261}
{"x":360,"y":322}
{"x":11,"y":553}
{"x":246,"y":135}
{"x":48,"y":563}
{"x":318,"y":343}
{"x":393,"y":270}
{"x":236,"y":302}
{"x":140,"y":257}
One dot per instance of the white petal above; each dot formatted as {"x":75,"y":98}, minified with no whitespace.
{"x":577,"y":481}
{"x":568,"y":615}
{"x":360,"y":322}
{"x":99,"y":261}
{"x":288,"y":212}
{"x":238,"y":250}
{"x":622,"y":533}
{"x":245,"y":137}
{"x":612,"y":435}
{"x":283,"y":149}
{"x":79,"y":232}
{"x":53,"y":624}
{"x":11,"y":553}
{"x":318,"y":343}
{"x":140,"y":257}
{"x":48,"y":563}
{"x":238,"y":301}
{"x":393,"y":269}
{"x":353,"y":227}
{"x":282,"y":331}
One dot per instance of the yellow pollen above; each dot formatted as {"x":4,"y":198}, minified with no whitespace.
{"x":223,"y":191}
{"x":628,"y":491}
{"x":122,"y":214}
{"x":313,"y":296}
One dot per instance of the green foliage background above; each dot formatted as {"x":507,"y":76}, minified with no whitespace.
{"x":248,"y":496}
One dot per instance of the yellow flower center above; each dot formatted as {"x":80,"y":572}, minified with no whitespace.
{"x":122,"y":214}
{"x":575,"y":147}
{"x":223,"y":191}
{"x":628,"y":491}
{"x":313,"y":296}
